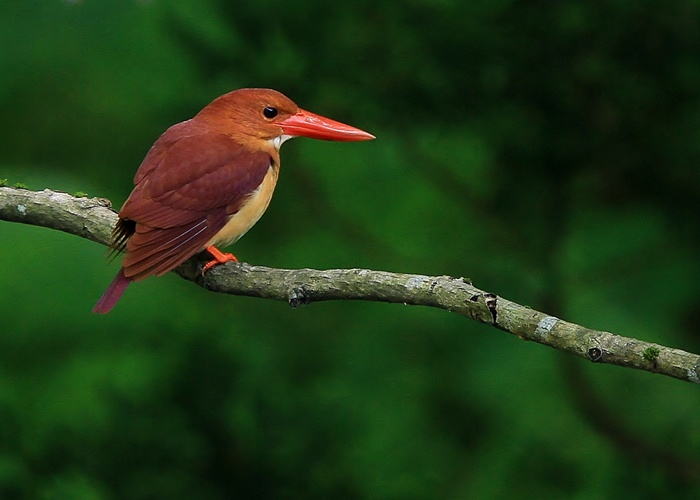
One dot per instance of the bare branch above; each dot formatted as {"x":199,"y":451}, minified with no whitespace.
{"x":92,"y":218}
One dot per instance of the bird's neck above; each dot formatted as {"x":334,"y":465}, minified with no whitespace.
{"x":248,"y":141}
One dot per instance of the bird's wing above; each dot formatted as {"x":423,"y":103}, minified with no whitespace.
{"x":185,"y":198}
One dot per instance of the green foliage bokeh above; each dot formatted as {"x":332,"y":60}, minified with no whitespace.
{"x":547,"y":150}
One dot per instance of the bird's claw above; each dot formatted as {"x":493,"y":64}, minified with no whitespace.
{"x":219,"y":258}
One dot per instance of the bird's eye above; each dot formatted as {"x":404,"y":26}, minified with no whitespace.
{"x":269,"y":112}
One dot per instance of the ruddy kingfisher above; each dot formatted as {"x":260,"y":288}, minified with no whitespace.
{"x":206,"y":181}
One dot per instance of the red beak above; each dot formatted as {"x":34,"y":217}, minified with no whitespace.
{"x":308,"y":124}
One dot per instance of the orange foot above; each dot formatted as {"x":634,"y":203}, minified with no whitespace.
{"x":219,"y":258}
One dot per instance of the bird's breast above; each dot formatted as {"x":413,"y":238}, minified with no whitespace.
{"x":250,"y":212}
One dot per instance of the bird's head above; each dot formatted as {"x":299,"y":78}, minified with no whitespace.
{"x":268,"y":115}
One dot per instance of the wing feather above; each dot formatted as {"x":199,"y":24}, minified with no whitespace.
{"x":185,"y":190}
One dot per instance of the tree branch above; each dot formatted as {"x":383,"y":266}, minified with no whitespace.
{"x":93,"y":219}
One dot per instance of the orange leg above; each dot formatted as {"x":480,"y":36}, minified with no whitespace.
{"x":219,"y":258}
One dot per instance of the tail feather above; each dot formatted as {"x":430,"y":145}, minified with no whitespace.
{"x":111,"y":296}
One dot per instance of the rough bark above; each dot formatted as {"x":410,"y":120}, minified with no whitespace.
{"x":93,"y":219}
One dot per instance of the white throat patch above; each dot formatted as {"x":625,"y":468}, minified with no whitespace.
{"x":279,"y":140}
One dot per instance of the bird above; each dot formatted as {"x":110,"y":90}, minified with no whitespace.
{"x":207,"y":180}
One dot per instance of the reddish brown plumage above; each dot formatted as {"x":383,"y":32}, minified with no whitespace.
{"x":177,"y":210}
{"x":204,"y":172}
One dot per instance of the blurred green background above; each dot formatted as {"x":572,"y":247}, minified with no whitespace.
{"x":547,"y":150}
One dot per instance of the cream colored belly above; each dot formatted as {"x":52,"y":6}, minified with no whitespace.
{"x":239,"y":223}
